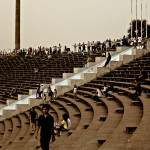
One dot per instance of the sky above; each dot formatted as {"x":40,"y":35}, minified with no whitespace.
{"x":50,"y":22}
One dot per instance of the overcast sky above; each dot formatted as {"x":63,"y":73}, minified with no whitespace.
{"x":50,"y":22}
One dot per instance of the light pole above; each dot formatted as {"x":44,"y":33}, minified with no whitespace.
{"x":131,"y":21}
{"x":136,"y":19}
{"x":17,"y":26}
{"x":141,"y":21}
{"x":146,"y":16}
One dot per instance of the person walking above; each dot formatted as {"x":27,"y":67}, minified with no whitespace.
{"x":108,"y":60}
{"x":33,"y":116}
{"x":46,"y":124}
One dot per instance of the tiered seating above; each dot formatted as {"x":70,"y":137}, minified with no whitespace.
{"x":131,"y":118}
{"x":133,"y":110}
{"x":19,"y":129}
{"x":17,"y":72}
{"x":113,"y":122}
{"x":23,"y":127}
{"x":99,"y":127}
{"x":86,"y":118}
{"x":8,"y":128}
{"x":123,"y":123}
{"x":142,"y":135}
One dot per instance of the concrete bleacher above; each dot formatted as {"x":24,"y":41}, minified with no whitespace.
{"x":111,"y":123}
{"x":19,"y":73}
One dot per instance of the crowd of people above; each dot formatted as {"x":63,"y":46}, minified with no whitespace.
{"x":80,"y":47}
{"x":52,"y":95}
{"x":77,"y":47}
{"x":138,"y":43}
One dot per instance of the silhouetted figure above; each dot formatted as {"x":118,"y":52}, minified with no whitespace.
{"x":33,"y":116}
{"x":46,"y":123}
{"x":138,"y":91}
{"x":108,"y":60}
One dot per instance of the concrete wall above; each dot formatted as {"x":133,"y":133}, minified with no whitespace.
{"x":126,"y":58}
{"x":20,"y":96}
{"x":99,"y":59}
{"x":34,"y":102}
{"x":139,"y":52}
{"x":21,"y":107}
{"x":62,"y":89}
{"x":32,"y":91}
{"x":88,"y":76}
{"x":121,"y":48}
{"x":8,"y":102}
{"x":7,"y":113}
{"x":77,"y":70}
{"x":90,"y":64}
{"x":56,"y":80}
{"x":101,"y":70}
{"x":78,"y":82}
{"x":114,"y":64}
{"x":67,"y":75}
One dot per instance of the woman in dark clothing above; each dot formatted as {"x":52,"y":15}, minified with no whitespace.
{"x":33,"y":116}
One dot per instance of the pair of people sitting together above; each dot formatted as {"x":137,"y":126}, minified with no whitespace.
{"x":103,"y":92}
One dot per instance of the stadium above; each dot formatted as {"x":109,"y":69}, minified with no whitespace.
{"x":91,"y":96}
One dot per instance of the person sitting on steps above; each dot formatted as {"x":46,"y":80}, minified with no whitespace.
{"x":65,"y":124}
